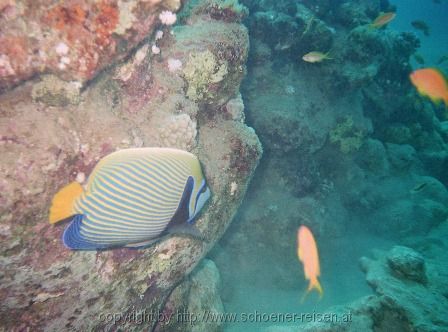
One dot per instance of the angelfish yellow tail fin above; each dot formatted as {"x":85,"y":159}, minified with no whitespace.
{"x":62,"y":203}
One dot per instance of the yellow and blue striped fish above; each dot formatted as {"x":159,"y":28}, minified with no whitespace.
{"x":132,"y":197}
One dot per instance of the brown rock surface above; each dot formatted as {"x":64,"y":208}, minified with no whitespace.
{"x":54,"y":131}
{"x":73,"y":40}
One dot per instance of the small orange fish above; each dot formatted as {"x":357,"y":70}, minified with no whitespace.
{"x":308,"y":255}
{"x":430,"y":82}
{"x":383,"y":19}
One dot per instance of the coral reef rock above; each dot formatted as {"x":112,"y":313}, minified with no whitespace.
{"x":55,"y":129}
{"x":397,"y":277}
{"x":194,"y":302}
{"x":72,"y":40}
{"x":407,"y":264}
{"x":408,"y":296}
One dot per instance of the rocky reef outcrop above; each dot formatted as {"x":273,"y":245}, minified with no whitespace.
{"x":195,"y":305}
{"x":72,"y":40}
{"x":410,"y":291}
{"x":142,"y":83}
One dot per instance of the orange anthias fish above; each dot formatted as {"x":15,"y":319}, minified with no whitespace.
{"x":430,"y":82}
{"x":383,"y":19}
{"x":308,"y":255}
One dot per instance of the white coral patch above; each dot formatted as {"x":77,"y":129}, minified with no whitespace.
{"x":233,"y":188}
{"x":159,"y":34}
{"x":235,"y":107}
{"x":167,"y":17}
{"x":179,"y":132}
{"x":174,"y":64}
{"x":5,"y":66}
{"x":61,"y":48}
{"x":65,"y":60}
{"x":80,"y":177}
{"x":155,"y":49}
{"x":140,"y":55}
{"x":126,"y":17}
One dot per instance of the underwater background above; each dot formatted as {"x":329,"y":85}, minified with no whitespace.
{"x":299,"y":113}
{"x":355,"y":191}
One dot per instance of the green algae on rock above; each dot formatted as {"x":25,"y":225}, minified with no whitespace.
{"x":201,"y":71}
{"x":346,"y":136}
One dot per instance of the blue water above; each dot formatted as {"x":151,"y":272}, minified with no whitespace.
{"x":354,"y":202}
{"x":436,"y":44}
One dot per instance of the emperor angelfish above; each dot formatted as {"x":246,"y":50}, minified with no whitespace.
{"x":132,"y":197}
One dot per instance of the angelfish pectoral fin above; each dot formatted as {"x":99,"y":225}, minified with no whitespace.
{"x":186,"y":229}
{"x":143,"y":244}
{"x":176,"y":229}
{"x":182,"y":222}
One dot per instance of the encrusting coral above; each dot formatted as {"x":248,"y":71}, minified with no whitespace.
{"x":72,"y":40}
{"x":56,"y":92}
{"x":201,"y":71}
{"x":346,"y":136}
{"x":179,"y":132}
